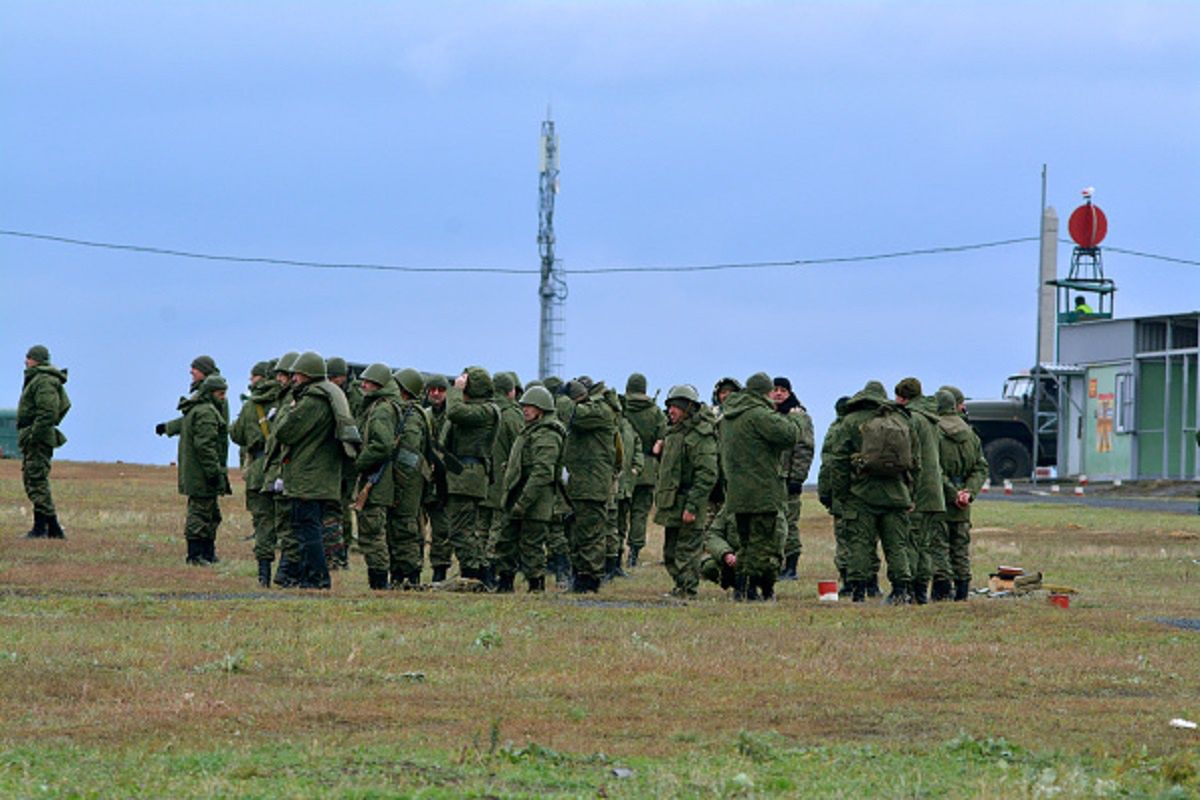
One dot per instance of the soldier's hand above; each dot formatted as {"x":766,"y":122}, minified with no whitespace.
{"x":963,"y":499}
{"x":657,"y":448}
{"x":461,"y":381}
{"x":730,"y":559}
{"x":688,"y":517}
{"x":161,"y":429}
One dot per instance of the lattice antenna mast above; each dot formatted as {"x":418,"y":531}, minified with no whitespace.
{"x":553,"y":288}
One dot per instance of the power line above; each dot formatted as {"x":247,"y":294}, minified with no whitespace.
{"x":748,"y":265}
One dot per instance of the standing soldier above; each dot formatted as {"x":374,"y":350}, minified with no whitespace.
{"x":929,"y":504}
{"x":841,"y":552}
{"x":650,"y":423}
{"x":964,"y":470}
{"x":287,"y":573}
{"x":250,"y":431}
{"x":876,"y":458}
{"x":440,"y":550}
{"x":472,"y":421}
{"x":633,"y":463}
{"x":491,"y":511}
{"x":685,"y":479}
{"x":558,"y":548}
{"x":42,"y":407}
{"x":376,"y":487}
{"x":590,"y":460}
{"x":753,"y":440}
{"x":530,"y":489}
{"x":203,"y":474}
{"x":794,"y":468}
{"x":338,"y":533}
{"x":414,"y":440}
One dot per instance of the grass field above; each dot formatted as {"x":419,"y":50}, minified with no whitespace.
{"x":125,"y":673}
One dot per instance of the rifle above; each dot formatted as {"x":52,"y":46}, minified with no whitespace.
{"x":442,"y":462}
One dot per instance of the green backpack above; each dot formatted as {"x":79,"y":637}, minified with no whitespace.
{"x":886,"y":445}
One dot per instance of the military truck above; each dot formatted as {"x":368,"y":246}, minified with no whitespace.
{"x":1028,"y":403}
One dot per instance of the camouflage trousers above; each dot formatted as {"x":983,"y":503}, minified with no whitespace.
{"x":613,"y":538}
{"x":372,"y":536}
{"x":682,"y":546}
{"x":761,"y":545}
{"x":841,"y":548}
{"x":921,"y":533}
{"x":866,"y":525}
{"x":792,"y":545}
{"x":203,"y":518}
{"x":404,"y":541}
{"x":490,"y":520}
{"x":463,"y":514}
{"x":332,"y":537}
{"x":521,"y":546}
{"x":587,"y":536}
{"x":950,"y":550}
{"x":289,"y":545}
{"x":557,"y":543}
{"x":639,"y":515}
{"x":35,"y":475}
{"x":440,"y":551}
{"x":262,"y":517}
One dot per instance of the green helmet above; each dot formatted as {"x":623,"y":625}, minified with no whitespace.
{"x":410,"y":381}
{"x":286,"y":361}
{"x":336,"y":365}
{"x":538,"y":397}
{"x":310,"y":363}
{"x":377,"y":373}
{"x":684,"y":391}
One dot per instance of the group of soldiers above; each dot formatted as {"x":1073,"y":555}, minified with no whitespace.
{"x":557,"y":478}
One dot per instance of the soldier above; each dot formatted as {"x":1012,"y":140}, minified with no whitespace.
{"x":531,"y":485}
{"x":650,"y":424}
{"x":339,"y":536}
{"x":721,"y":391}
{"x":472,"y":422}
{"x":841,"y":553}
{"x":312,"y":461}
{"x":440,"y":550}
{"x":491,"y":511}
{"x":753,"y":439}
{"x":41,"y":409}
{"x":250,"y":431}
{"x":376,"y":486}
{"x":876,"y":457}
{"x":558,"y":548}
{"x":203,"y":474}
{"x":794,"y":468}
{"x":590,"y":459}
{"x":928,"y":502}
{"x":685,"y":479}
{"x":633,"y":464}
{"x":414,"y":439}
{"x":964,"y":470}
{"x":201,"y":367}
{"x":287,"y":573}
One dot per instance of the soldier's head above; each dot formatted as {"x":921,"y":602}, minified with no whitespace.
{"x":337,"y":370}
{"x":214,"y":386}
{"x":636,"y":384}
{"x":907,"y":390}
{"x":781,"y":390}
{"x":202,"y":367}
{"x":760,"y":383}
{"x":945,"y":402}
{"x":839,"y":406}
{"x":577,"y":390}
{"x":260,"y":371}
{"x":435,"y":390}
{"x":536,"y":402}
{"x":960,"y":400}
{"x":38,"y":354}
{"x":724,"y":388}
{"x":283,"y":367}
{"x":411,"y":383}
{"x":309,"y":366}
{"x":375,"y":377}
{"x":504,"y":385}
{"x":682,"y":402}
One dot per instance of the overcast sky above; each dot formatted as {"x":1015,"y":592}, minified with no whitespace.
{"x":691,"y":133}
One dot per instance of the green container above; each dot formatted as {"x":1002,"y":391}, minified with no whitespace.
{"x":8,"y":433}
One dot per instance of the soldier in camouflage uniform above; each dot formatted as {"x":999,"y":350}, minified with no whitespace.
{"x":964,"y":469}
{"x":874,"y":506}
{"x":42,"y":406}
{"x":339,"y":535}
{"x":686,"y":476}
{"x":375,"y":485}
{"x":794,"y":468}
{"x":250,"y":431}
{"x":633,"y":463}
{"x":529,"y":492}
{"x":558,"y":548}
{"x":287,"y":573}
{"x":412,"y":462}
{"x":928,"y":502}
{"x":753,"y":439}
{"x":203,"y":475}
{"x":473,"y":421}
{"x":491,"y":511}
{"x":841,"y":557}
{"x":650,"y":424}
{"x":440,"y":550}
{"x":591,"y":462}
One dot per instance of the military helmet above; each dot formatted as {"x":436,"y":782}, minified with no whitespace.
{"x":538,"y":397}
{"x":377,"y":373}
{"x":684,"y":391}
{"x":310,"y":363}
{"x":336,"y":365}
{"x":213,"y":383}
{"x":410,"y":381}
{"x":437,"y":381}
{"x":286,"y":361}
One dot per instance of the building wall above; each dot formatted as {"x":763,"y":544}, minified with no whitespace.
{"x":1107,"y":453}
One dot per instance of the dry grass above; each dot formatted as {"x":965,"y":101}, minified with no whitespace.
{"x":103,"y":642}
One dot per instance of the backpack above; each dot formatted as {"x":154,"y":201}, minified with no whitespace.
{"x":886,"y":447}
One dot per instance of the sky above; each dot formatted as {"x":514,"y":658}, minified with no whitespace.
{"x":690,"y":134}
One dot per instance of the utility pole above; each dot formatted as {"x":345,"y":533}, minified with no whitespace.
{"x":553,"y":288}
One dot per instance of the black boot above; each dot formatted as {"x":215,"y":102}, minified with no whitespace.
{"x":537,"y":585}
{"x":504,"y":584}
{"x":194,"y":552}
{"x":439,"y":574}
{"x":872,"y":587}
{"x":846,"y":590}
{"x":941,"y":590}
{"x":264,"y":572}
{"x":285,"y":573}
{"x":962,"y":588}
{"x":561,"y":568}
{"x":899,"y":595}
{"x":53,"y":529}
{"x":633,"y":556}
{"x":38,"y":531}
{"x":210,"y":550}
{"x":788,"y":573}
{"x":610,"y":569}
{"x":858,"y":591}
{"x":488,"y":575}
{"x":767,"y":588}
{"x":377,"y":578}
{"x":917,"y":590}
{"x":739,"y":588}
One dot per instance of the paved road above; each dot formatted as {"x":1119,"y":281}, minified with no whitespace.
{"x":1165,"y":505}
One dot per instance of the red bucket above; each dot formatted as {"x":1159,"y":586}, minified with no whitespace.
{"x":1060,"y":600}
{"x":827,"y":591}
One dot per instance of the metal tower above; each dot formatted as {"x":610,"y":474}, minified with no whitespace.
{"x":553,"y":288}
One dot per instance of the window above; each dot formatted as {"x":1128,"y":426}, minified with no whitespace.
{"x":1125,"y":420}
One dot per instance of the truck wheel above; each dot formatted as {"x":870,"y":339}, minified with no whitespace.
{"x":1007,"y":459}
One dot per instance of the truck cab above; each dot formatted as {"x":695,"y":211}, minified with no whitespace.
{"x":1006,"y":426}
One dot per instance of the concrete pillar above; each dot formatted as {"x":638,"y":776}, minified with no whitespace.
{"x":1047,"y":345}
